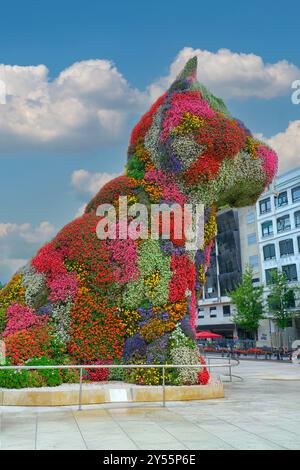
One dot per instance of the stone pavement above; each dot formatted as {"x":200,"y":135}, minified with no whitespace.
{"x":262,"y":412}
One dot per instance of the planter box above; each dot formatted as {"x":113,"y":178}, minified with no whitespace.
{"x":112,"y":392}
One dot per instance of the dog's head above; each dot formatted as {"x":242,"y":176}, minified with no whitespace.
{"x":189,"y":135}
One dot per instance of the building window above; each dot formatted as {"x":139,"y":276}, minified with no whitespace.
{"x":281,"y":199}
{"x":296,"y":194}
{"x":269,"y":252}
{"x":269,"y":275}
{"x":250,"y":218}
{"x":298,"y":240}
{"x":297,"y":219}
{"x":252,"y":240}
{"x":253,"y":261}
{"x":226,"y":311}
{"x":290,"y":271}
{"x":200,"y":313}
{"x":283,"y":223}
{"x":213,"y":312}
{"x":265,"y":206}
{"x":286,"y":247}
{"x":267,"y":228}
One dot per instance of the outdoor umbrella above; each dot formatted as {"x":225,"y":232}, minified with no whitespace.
{"x":207,"y":334}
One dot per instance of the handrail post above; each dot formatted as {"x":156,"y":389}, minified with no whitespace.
{"x":80,"y":390}
{"x":230,"y":372}
{"x":164,"y":387}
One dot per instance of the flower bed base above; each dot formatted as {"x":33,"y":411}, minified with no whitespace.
{"x":100,"y":393}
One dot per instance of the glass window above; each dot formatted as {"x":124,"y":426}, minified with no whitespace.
{"x":269,"y":252}
{"x":226,"y":311}
{"x":290,"y":271}
{"x":283,"y":223}
{"x":296,"y":194}
{"x":297,"y":219}
{"x":253,"y":261}
{"x":250,"y":218}
{"x":252,"y":240}
{"x":281,"y":199}
{"x":265,"y":205}
{"x":213,"y":312}
{"x":286,"y":247}
{"x":267,"y":228}
{"x":200,"y":312}
{"x":269,"y":275}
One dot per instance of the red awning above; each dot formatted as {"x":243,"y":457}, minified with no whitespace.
{"x":207,"y":334}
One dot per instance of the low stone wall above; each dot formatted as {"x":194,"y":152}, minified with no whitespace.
{"x":107,"y":393}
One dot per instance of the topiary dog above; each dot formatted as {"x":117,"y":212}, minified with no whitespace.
{"x":134,"y":298}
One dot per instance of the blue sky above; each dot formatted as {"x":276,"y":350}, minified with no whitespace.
{"x":49,"y":135}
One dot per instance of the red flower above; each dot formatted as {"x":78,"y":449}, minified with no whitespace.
{"x":203,"y":375}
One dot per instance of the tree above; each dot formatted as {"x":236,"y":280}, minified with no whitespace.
{"x":248,"y":301}
{"x":281,"y":300}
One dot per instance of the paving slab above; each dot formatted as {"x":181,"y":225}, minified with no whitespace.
{"x":260,"y":412}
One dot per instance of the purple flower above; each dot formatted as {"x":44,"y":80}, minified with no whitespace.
{"x":135,"y":347}
{"x":157,"y":350}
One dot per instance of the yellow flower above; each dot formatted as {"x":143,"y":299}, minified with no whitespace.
{"x":12,"y":292}
{"x":189,"y":123}
{"x":252,"y":146}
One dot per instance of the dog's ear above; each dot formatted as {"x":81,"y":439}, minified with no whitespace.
{"x":187,"y":77}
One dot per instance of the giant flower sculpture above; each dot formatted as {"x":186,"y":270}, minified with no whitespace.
{"x":84,"y":299}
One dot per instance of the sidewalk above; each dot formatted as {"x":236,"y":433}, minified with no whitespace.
{"x":260,"y":413}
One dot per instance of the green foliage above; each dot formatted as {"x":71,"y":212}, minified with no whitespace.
{"x":2,"y":319}
{"x":281,"y":299}
{"x":117,"y":374}
{"x":248,"y":301}
{"x":37,"y":378}
{"x":135,"y":168}
{"x":52,"y":376}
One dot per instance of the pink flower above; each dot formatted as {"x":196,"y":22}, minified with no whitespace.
{"x":156,"y":175}
{"x":207,"y":253}
{"x":21,"y":317}
{"x":170,"y":191}
{"x":189,"y":102}
{"x":123,"y":252}
{"x":270,"y":162}
{"x":63,"y":287}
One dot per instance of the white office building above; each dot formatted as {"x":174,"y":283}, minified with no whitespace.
{"x":266,"y":237}
{"x":278,"y":226}
{"x":278,"y":219}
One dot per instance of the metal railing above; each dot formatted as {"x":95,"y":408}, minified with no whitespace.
{"x":82,"y":367}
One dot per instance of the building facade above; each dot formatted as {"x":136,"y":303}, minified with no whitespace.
{"x":278,"y":220}
{"x":225,"y":272}
{"x":266,"y":237}
{"x":278,"y":225}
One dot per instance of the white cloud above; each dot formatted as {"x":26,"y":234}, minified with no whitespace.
{"x":233,"y":75}
{"x":30,"y":234}
{"x":19,"y":242}
{"x":86,"y":183}
{"x":80,"y":211}
{"x":87,"y":105}
{"x":10,"y":266}
{"x":287,"y":146}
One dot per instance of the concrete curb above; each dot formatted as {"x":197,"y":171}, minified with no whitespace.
{"x":106,"y":393}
